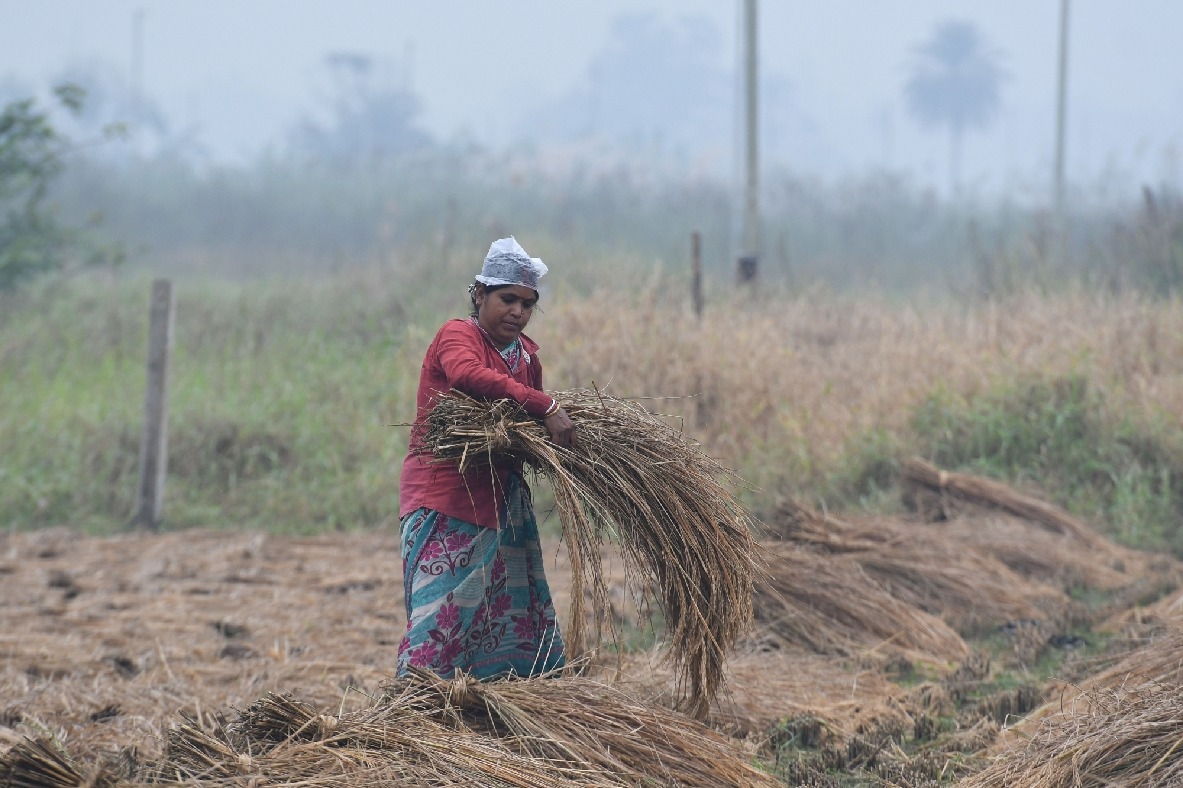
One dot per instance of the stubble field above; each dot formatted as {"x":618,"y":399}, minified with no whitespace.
{"x":890,"y":650}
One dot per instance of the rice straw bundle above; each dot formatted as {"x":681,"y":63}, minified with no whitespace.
{"x":430,"y":731}
{"x":634,"y":477}
{"x":987,"y":492}
{"x":1057,"y":559}
{"x":921,"y":566}
{"x":43,"y":763}
{"x":1158,"y":618}
{"x":972,"y":593}
{"x":281,"y":741}
{"x":1122,"y":737}
{"x":765,"y":688}
{"x":793,"y":521}
{"x":192,"y":751}
{"x":1157,"y":662}
{"x":581,"y":723}
{"x":828,"y":605}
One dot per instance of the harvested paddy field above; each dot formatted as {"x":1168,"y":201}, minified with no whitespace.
{"x":888,"y":651}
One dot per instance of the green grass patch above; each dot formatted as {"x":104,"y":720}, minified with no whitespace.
{"x":1066,"y":437}
{"x":1063,"y":436}
{"x":280,"y":401}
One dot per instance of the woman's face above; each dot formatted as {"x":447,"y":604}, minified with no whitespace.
{"x":504,"y":312}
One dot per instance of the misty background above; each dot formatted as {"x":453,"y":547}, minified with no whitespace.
{"x":320,"y":182}
{"x":300,"y":130}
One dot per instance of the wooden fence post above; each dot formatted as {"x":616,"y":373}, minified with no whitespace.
{"x":702,"y":406}
{"x":154,"y":439}
{"x":696,"y":273}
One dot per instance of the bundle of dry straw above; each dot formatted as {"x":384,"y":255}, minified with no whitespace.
{"x":578,"y":723}
{"x":422,"y":731}
{"x":1107,"y":737}
{"x":827,"y":604}
{"x":922,"y":566}
{"x":282,"y":741}
{"x":634,"y":477}
{"x":42,"y":763}
{"x":924,"y":475}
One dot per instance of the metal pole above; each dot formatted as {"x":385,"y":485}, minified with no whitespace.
{"x":1061,"y":110}
{"x":750,"y":254}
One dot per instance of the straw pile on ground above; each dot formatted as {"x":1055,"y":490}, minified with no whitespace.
{"x":1142,"y":664}
{"x":1055,"y":559}
{"x":1105,"y":737}
{"x":1163,"y":616}
{"x":1039,"y":540}
{"x":765,"y":688}
{"x":923,"y":475}
{"x":635,"y":478}
{"x":1157,"y":662}
{"x":920,"y":565}
{"x":422,"y":731}
{"x":827,"y":604}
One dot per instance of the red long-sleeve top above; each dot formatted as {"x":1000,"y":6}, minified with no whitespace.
{"x":462,"y":358}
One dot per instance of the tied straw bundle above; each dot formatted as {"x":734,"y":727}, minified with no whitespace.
{"x":561,"y":732}
{"x":1124,"y":736}
{"x":632,"y":476}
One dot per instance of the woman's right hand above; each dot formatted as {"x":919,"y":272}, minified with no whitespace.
{"x":561,"y":428}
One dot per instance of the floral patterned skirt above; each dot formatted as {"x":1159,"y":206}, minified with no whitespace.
{"x":477,"y":598}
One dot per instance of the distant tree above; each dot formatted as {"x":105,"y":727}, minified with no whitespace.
{"x":31,"y":157}
{"x":112,"y":111}
{"x":955,"y":82}
{"x":652,"y":84}
{"x":369,"y":116}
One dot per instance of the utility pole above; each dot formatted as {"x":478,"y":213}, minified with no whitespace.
{"x":1061,"y":111}
{"x":137,"y":75}
{"x":750,"y":250}
{"x":409,"y":66}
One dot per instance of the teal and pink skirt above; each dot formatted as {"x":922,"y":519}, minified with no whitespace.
{"x":477,"y":598}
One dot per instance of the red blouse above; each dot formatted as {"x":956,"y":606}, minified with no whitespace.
{"x":462,"y":358}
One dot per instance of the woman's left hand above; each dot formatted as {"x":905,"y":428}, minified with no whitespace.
{"x":561,"y":428}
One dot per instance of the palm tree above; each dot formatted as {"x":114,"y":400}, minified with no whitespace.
{"x":955,"y":82}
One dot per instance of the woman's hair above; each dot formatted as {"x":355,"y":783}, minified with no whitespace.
{"x":472,"y":294}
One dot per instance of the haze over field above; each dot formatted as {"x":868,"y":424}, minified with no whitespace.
{"x":226,"y":80}
{"x":910,"y":318}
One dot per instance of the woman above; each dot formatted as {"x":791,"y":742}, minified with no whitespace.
{"x":476,"y":596}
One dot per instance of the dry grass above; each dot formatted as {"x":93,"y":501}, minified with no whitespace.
{"x":1059,"y":561}
{"x":988,"y":492}
{"x":634,"y":478}
{"x":584,"y":724}
{"x":792,"y":376}
{"x":765,"y":688}
{"x":1136,"y":665}
{"x":1156,"y":661}
{"x":1162,"y":616}
{"x":921,"y":564}
{"x":1102,"y":738}
{"x":827,"y":604}
{"x":109,"y":644}
{"x":423,"y":731}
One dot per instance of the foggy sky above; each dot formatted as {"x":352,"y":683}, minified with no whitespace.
{"x":240,"y":72}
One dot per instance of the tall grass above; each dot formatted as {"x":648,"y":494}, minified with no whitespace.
{"x":282,"y":390}
{"x":278,"y":216}
{"x":278,"y":403}
{"x":1108,"y":464}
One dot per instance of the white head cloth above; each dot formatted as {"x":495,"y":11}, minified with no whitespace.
{"x":508,"y":264}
